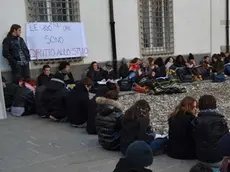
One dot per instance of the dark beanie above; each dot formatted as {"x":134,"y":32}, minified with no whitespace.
{"x":191,"y":57}
{"x":224,"y":145}
{"x":139,"y":153}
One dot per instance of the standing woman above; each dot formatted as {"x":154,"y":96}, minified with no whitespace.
{"x":17,"y":53}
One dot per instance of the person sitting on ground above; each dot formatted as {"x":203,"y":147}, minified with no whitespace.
{"x":108,"y":120}
{"x":191,"y":61}
{"x":217,"y":64}
{"x":9,"y":91}
{"x":134,"y":65}
{"x":45,"y":76}
{"x":123,"y":69}
{"x":151,"y":62}
{"x":209,"y":128}
{"x":224,"y":149}
{"x":144,"y":72}
{"x":205,"y":61}
{"x":64,"y":69}
{"x":179,"y":62}
{"x":201,"y":167}
{"x":78,"y":103}
{"x":53,"y":98}
{"x":136,"y":126}
{"x":169,"y":62}
{"x":181,"y":144}
{"x":95,"y":73}
{"x":108,"y":72}
{"x":23,"y":102}
{"x":160,"y":69}
{"x":138,"y":156}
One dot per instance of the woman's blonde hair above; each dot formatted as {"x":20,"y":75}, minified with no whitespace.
{"x":186,"y":105}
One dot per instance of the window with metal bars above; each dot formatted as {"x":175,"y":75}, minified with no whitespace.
{"x":156,"y":22}
{"x":54,"y":10}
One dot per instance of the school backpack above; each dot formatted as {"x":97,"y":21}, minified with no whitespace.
{"x":125,"y":84}
{"x":184,"y":75}
{"x":227,"y":69}
{"x":218,"y":78}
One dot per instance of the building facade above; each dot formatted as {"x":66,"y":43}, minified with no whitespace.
{"x":143,"y":27}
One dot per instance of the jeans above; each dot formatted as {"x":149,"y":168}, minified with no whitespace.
{"x":158,"y":144}
{"x":19,"y":71}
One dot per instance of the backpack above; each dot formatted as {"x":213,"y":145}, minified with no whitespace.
{"x":184,"y":75}
{"x":125,"y":84}
{"x":218,"y":78}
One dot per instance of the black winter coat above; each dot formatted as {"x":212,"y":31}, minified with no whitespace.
{"x":125,"y":165}
{"x":160,"y":71}
{"x":40,"y":109}
{"x":209,"y":127}
{"x":108,"y":123}
{"x":135,"y":130}
{"x":11,"y":49}
{"x":78,"y":105}
{"x":43,"y":79}
{"x":95,"y":75}
{"x":181,"y":144}
{"x":54,"y":99}
{"x":9,"y":93}
{"x":123,"y":71}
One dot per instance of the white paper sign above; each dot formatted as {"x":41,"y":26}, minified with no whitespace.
{"x":56,"y":40}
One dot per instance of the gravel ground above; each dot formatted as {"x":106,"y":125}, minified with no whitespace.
{"x":163,"y":105}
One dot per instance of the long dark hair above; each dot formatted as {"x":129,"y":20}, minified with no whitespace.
{"x":168,"y":59}
{"x":159,"y":61}
{"x":13,"y":28}
{"x":140,"y":109}
{"x":180,"y":60}
{"x":91,"y":65}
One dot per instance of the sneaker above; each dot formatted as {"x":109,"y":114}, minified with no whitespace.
{"x":53,"y":118}
{"x":79,"y":126}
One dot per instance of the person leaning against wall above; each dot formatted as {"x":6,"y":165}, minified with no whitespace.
{"x":16,"y":52}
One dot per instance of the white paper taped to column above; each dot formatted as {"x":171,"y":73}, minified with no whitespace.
{"x":48,"y":40}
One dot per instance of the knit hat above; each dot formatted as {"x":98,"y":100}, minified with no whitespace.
{"x":108,"y":64}
{"x":191,"y":56}
{"x":224,"y":143}
{"x":140,"y":153}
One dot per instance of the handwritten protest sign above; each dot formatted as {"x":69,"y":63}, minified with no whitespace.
{"x":56,"y":40}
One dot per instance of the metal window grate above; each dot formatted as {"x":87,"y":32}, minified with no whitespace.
{"x":156,"y":26}
{"x":53,"y":10}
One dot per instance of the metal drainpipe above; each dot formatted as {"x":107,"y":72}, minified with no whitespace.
{"x":227,"y":26}
{"x":113,"y":35}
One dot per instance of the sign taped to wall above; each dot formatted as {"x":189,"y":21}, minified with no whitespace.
{"x":50,"y":40}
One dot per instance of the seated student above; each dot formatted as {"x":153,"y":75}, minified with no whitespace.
{"x":95,"y":73}
{"x":108,"y":72}
{"x":217,"y":64}
{"x":200,"y":167}
{"x":108,"y":120}
{"x":137,"y":158}
{"x":224,"y":149}
{"x":151,"y":62}
{"x":191,"y":61}
{"x":136,"y":126}
{"x":134,"y":65}
{"x":53,"y":98}
{"x":181,"y":144}
{"x":23,"y":101}
{"x":169,"y":62}
{"x":205,"y":61}
{"x":91,"y":127}
{"x":209,"y":127}
{"x":78,"y":103}
{"x":45,"y":76}
{"x":64,"y":69}
{"x":144,"y":72}
{"x":179,"y":62}
{"x":9,"y":91}
{"x":123,"y":69}
{"x":160,"y":69}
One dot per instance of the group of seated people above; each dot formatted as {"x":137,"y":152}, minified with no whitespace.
{"x":201,"y":136}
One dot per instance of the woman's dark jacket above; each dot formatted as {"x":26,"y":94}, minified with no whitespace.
{"x":218,"y":67}
{"x":108,"y":123}
{"x":54,"y":99}
{"x":136,"y":129}
{"x":43,"y":79}
{"x":160,"y":71}
{"x":181,"y":144}
{"x":209,"y":127}
{"x":124,"y":165}
{"x":109,"y":74}
{"x":95,"y":75}
{"x":11,"y":49}
{"x":78,"y":104}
